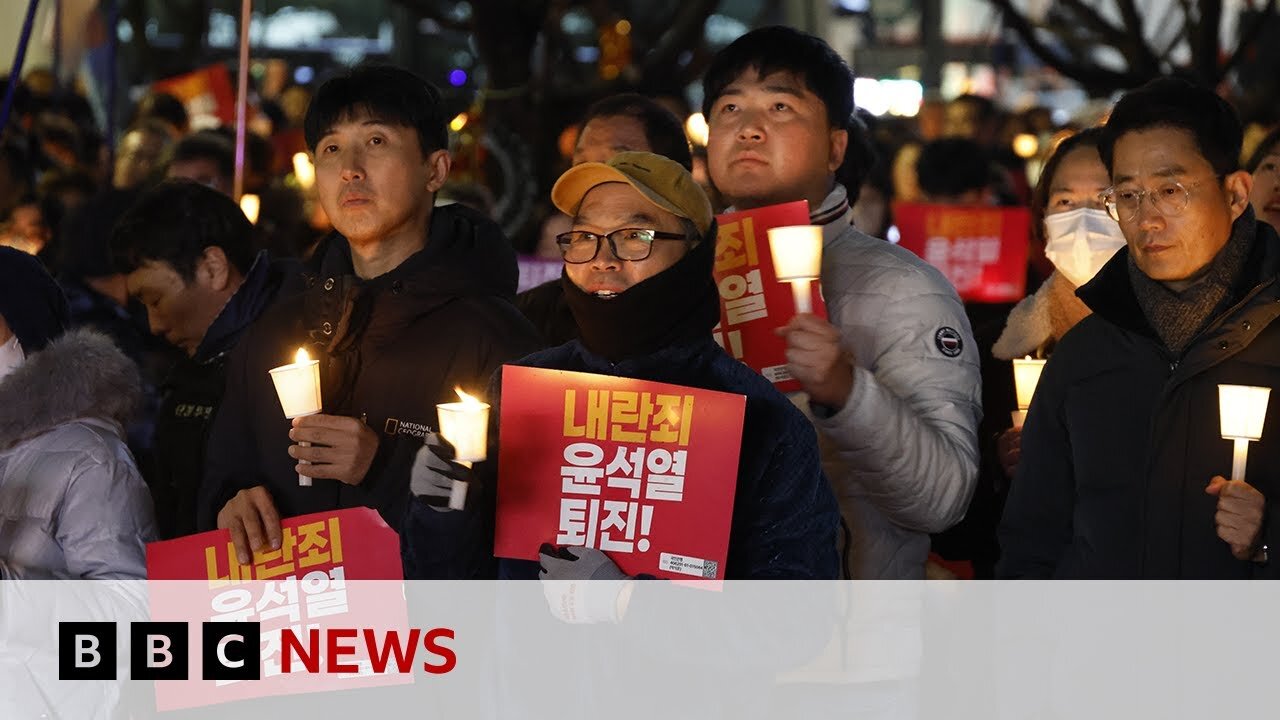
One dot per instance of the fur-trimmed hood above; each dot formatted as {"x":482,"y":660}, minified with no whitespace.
{"x":1040,"y":319}
{"x":82,"y":374}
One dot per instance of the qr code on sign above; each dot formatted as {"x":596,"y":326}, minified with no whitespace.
{"x":709,"y":568}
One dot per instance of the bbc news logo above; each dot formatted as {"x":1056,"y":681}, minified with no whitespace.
{"x":232,"y":650}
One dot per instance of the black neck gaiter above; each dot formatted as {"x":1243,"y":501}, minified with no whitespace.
{"x":678,"y":305}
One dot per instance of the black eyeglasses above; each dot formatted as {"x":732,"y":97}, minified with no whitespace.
{"x":580,"y":246}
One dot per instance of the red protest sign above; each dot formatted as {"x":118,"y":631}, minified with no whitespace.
{"x":356,"y":539}
{"x":981,"y":250}
{"x":302,"y":587}
{"x":752,"y":302}
{"x":644,"y":471}
{"x":207,"y":94}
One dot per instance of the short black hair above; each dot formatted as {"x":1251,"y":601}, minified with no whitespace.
{"x":174,"y":222}
{"x":860,"y":158}
{"x":166,"y":107}
{"x":206,"y":145}
{"x":661,"y":128}
{"x":389,"y":93}
{"x":953,"y":166}
{"x":1169,"y":102}
{"x":778,"y":48}
{"x":1269,"y":144}
{"x":985,"y":106}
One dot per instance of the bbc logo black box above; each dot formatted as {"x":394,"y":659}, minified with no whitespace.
{"x":86,"y":651}
{"x":158,"y":651}
{"x":232,"y":650}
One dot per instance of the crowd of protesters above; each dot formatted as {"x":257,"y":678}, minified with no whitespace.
{"x":140,"y":311}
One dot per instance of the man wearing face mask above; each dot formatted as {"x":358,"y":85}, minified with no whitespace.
{"x":638,"y":279}
{"x":1121,"y":473}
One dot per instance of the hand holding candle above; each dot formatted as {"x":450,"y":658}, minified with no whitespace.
{"x":797,"y":259}
{"x":465,"y":425}
{"x":1026,"y":375}
{"x":298,"y":386}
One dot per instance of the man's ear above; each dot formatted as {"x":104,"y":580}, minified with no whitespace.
{"x":439,"y":163}
{"x":1238,"y":185}
{"x":837,"y":145}
{"x":213,"y":270}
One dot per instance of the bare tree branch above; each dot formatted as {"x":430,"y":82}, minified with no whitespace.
{"x":1088,"y":74}
{"x":1250,"y":37}
{"x":1142,"y":52}
{"x":1205,"y":45}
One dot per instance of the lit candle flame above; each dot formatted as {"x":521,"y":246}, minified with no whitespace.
{"x":304,"y":170}
{"x":302,"y":356}
{"x":467,"y":399}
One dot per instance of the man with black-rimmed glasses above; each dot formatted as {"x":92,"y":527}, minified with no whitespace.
{"x":638,"y":280}
{"x":1124,"y":468}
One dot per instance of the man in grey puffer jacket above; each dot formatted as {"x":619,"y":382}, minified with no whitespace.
{"x":892,"y":381}
{"x":72,"y":503}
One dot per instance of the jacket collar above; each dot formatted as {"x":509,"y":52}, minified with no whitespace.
{"x":1110,"y":293}
{"x":82,"y":374}
{"x":666,"y":364}
{"x":244,"y":306}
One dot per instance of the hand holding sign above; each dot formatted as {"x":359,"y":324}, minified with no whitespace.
{"x":816,"y":359}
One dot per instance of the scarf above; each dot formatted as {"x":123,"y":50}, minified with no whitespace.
{"x":678,"y":305}
{"x":1177,"y":317}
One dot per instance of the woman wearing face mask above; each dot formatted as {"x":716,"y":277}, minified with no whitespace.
{"x":72,"y":503}
{"x":1264,"y":165}
{"x":1079,"y":238}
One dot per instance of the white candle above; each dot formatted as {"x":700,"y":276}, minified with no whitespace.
{"x":298,"y":387}
{"x":1242,"y":413}
{"x":1026,"y":375}
{"x":304,"y":170}
{"x":465,"y":425}
{"x":249,"y":205}
{"x":797,"y":259}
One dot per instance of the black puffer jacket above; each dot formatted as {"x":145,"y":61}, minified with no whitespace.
{"x":1123,"y":437}
{"x":390,"y":349}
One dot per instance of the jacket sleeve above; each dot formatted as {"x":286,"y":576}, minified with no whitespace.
{"x":103,"y":526}
{"x":231,"y":454}
{"x":908,"y":431}
{"x":1036,"y":530}
{"x":797,"y":520}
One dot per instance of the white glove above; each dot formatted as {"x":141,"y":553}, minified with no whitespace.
{"x":582,"y":585}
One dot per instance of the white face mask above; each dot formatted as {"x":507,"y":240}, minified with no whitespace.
{"x":11,"y":356}
{"x":1080,"y":242}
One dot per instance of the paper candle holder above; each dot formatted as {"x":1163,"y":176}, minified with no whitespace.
{"x":465,"y":425}
{"x":797,"y":259}
{"x":298,"y":387}
{"x":1242,"y":412}
{"x":1026,"y":376}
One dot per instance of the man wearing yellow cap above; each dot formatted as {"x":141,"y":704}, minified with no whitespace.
{"x":638,"y":280}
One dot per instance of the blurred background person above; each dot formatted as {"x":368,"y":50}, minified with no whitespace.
{"x":1264,"y":166}
{"x":72,"y":502}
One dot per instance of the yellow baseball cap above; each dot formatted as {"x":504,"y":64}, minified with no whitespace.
{"x":664,"y":182}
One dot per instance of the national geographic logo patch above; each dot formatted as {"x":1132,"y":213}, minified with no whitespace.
{"x":404,"y":427}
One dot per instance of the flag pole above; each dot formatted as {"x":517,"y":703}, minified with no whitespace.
{"x":242,"y":98}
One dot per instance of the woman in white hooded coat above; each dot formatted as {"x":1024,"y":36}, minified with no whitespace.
{"x":72,"y":502}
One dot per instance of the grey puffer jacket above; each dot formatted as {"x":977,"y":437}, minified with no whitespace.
{"x":72,"y":502}
{"x":902,"y":453}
